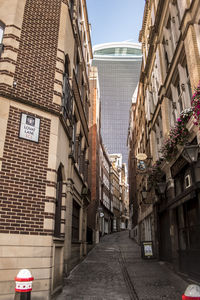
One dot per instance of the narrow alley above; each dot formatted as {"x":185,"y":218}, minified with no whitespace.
{"x":100,"y":149}
{"x":114,"y":269}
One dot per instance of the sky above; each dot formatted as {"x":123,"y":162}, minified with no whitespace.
{"x":115,"y":20}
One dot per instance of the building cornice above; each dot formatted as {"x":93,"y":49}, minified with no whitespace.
{"x":87,"y":28}
{"x":144,"y":22}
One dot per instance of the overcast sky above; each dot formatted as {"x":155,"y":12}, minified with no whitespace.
{"x":115,"y":20}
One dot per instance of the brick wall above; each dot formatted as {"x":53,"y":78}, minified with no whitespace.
{"x":36,"y":60}
{"x":93,"y":177}
{"x":23,"y":179}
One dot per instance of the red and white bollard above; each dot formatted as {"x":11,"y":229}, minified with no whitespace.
{"x":23,"y":286}
{"x":192,"y":292}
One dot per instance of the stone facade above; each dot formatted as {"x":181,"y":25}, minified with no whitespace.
{"x":44,"y":70}
{"x":170,"y":72}
{"x":108,"y":193}
{"x":94,"y":167}
{"x":105,"y":194}
{"x":116,"y":194}
{"x":124,"y":198}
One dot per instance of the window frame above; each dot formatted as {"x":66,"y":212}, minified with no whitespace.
{"x":58,"y":204}
{"x":75,"y":221}
{"x":2,"y":28}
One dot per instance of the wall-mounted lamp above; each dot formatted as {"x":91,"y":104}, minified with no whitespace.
{"x":190,"y":153}
{"x":144,"y":196}
{"x":161,"y":187}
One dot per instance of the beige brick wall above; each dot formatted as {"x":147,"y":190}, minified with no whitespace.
{"x":28,"y":252}
{"x":193,"y":56}
{"x":4,"y":111}
{"x":13,"y":15}
{"x":12,"y":19}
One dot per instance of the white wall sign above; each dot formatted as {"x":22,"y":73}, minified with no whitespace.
{"x":29,"y":128}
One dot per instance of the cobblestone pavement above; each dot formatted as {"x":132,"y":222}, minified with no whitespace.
{"x":115,"y":270}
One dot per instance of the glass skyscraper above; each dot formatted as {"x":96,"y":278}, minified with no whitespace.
{"x":119,"y":69}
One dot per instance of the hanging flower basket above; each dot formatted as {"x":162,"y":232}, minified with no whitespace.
{"x":196,"y":106}
{"x":155,"y":173}
{"x":178,"y":135}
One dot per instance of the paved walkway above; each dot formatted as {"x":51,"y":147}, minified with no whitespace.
{"x":114,"y":270}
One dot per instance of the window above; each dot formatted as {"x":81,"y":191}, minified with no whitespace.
{"x":158,"y":133}
{"x":2,"y":27}
{"x":82,"y":166}
{"x":77,"y":70}
{"x":171,"y":42}
{"x":67,"y":94}
{"x":71,"y":7}
{"x":74,"y":136}
{"x":166,"y":58}
{"x":187,"y":181}
{"x":178,"y":95}
{"x":86,"y":109}
{"x":180,"y":102}
{"x":188,"y":82}
{"x":66,"y":71}
{"x":82,"y":90}
{"x":58,"y":202}
{"x":79,"y":152}
{"x":75,"y":221}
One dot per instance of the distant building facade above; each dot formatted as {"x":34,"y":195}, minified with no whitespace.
{"x":116,"y":184}
{"x":45,"y":53}
{"x":124,"y":198}
{"x":93,"y":211}
{"x":118,"y":67}
{"x":106,"y":200}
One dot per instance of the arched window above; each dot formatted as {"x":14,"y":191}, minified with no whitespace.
{"x":58,"y":202}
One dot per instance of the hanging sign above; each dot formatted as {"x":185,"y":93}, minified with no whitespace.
{"x":29,"y":128}
{"x":141,"y":156}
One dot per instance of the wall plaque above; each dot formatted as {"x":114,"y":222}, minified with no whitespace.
{"x":29,"y":128}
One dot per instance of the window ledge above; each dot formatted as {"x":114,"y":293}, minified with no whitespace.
{"x":77,"y":242}
{"x":56,"y":239}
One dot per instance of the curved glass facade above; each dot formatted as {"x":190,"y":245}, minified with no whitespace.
{"x":118,"y":79}
{"x":118,"y":51}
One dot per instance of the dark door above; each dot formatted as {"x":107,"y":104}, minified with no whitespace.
{"x":165,"y":239}
{"x":189,"y":238}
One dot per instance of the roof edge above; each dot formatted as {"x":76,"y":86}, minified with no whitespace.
{"x":117,"y":44}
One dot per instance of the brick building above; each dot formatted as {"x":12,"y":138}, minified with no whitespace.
{"x":133,"y":206}
{"x":94,"y":152}
{"x":170,"y":72}
{"x":45,"y":51}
